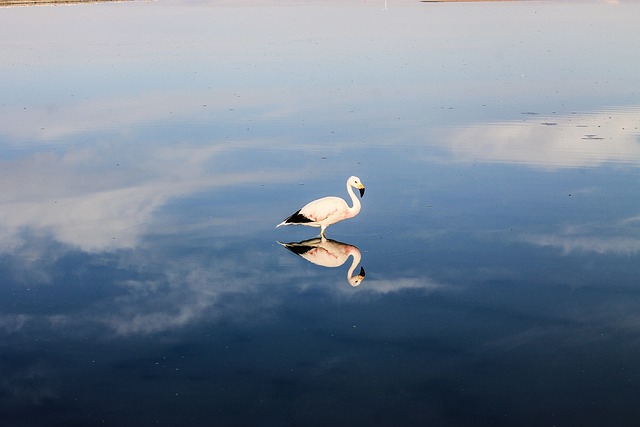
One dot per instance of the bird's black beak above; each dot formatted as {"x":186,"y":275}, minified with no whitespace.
{"x":361,"y":191}
{"x":362,"y":271}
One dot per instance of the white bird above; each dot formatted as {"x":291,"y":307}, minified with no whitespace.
{"x":329,"y":253}
{"x":328,"y":210}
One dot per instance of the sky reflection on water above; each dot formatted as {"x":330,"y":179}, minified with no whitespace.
{"x":143,"y":172}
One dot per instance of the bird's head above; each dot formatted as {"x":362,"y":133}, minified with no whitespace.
{"x":356,"y":280}
{"x":354,"y":181}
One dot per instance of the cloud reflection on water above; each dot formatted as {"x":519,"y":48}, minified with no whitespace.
{"x":553,"y":141}
{"x":80,"y":199}
{"x":89,"y":200}
{"x":620,"y":237}
{"x":162,"y":293}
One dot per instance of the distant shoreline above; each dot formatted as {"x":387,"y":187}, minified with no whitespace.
{"x":45,"y":2}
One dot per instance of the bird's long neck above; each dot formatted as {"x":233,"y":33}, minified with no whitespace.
{"x":354,"y":263}
{"x":355,"y":209}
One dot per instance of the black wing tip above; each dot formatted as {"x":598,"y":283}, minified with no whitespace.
{"x":297,"y":218}
{"x":299,"y":249}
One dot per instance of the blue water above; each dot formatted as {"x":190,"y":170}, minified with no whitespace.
{"x":148,"y":150}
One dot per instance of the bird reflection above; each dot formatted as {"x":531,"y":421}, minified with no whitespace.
{"x":329,"y":253}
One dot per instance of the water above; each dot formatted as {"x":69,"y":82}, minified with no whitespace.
{"x":147,"y":151}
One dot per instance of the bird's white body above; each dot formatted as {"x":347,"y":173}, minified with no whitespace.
{"x":328,"y":210}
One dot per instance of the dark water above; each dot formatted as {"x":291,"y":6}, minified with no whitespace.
{"x":148,"y":150}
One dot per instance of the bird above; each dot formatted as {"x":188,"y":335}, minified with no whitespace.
{"x":329,"y":253}
{"x":328,"y":210}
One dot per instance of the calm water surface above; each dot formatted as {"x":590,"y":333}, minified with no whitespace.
{"x":147,"y":151}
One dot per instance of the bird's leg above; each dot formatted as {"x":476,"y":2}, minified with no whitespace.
{"x":322,"y":233}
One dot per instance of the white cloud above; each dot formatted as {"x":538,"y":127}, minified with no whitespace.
{"x":13,"y":323}
{"x":84,"y":200}
{"x":118,"y":114}
{"x":621,"y":237}
{"x":387,"y":286}
{"x":601,"y":245}
{"x":576,"y":140}
{"x":185,"y":296}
